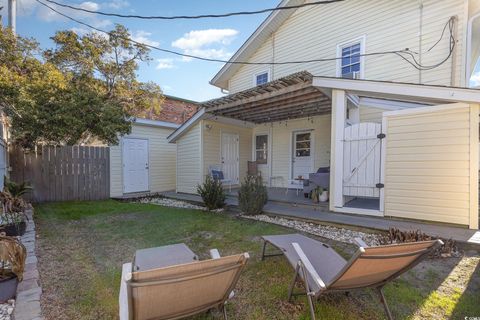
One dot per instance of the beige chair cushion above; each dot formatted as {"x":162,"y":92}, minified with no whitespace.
{"x":363,"y":272}
{"x":186,"y":289}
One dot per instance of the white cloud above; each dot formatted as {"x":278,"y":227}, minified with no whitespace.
{"x":143,"y":37}
{"x":116,"y":4}
{"x":165,"y":64}
{"x":209,"y":43}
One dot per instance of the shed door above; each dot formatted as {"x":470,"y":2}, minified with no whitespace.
{"x":362,"y":160}
{"x":230,"y":156}
{"x":135,"y":165}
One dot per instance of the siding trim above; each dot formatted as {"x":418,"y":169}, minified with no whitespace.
{"x":474,"y":141}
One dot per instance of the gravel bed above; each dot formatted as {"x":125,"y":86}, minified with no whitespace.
{"x":329,"y":232}
{"x":6,"y":309}
{"x":166,"y":202}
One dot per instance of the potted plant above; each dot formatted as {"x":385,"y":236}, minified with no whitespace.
{"x":315,"y":193}
{"x":13,"y":223}
{"x":12,"y":265}
{"x":13,"y":220}
{"x":323,"y":195}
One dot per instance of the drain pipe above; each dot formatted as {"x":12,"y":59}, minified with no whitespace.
{"x":453,"y":70}
{"x":420,"y":36}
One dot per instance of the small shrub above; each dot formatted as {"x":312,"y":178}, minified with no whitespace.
{"x":252,"y":195}
{"x":212,"y":193}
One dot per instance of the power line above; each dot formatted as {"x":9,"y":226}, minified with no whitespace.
{"x":202,"y":16}
{"x":399,"y":53}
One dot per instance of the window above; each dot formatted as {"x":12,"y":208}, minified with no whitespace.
{"x":261,"y":149}
{"x":302,"y":144}
{"x":261,"y":78}
{"x":351,"y":63}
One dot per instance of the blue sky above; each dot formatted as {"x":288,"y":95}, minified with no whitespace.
{"x":216,"y":38}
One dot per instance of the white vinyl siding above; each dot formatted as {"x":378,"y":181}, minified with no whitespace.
{"x":429,"y":171}
{"x":315,"y":32}
{"x":162,"y":159}
{"x":189,"y":174}
{"x":212,"y":144}
{"x":282,"y":143}
{"x":371,"y":114}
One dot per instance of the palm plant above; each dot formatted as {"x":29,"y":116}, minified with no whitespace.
{"x":16,"y":189}
{"x":12,"y":258}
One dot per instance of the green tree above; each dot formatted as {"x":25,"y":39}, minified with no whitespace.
{"x":85,"y":88}
{"x":113,"y":59}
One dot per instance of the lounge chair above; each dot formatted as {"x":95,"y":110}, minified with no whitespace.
{"x":179,"y":291}
{"x":326,"y":271}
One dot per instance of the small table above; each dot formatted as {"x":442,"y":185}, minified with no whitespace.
{"x":161,"y":257}
{"x":297,"y":182}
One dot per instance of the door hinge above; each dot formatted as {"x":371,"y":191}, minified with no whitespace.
{"x":380,"y":185}
{"x":381,"y":135}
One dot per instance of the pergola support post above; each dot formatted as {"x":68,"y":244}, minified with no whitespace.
{"x":339,"y":111}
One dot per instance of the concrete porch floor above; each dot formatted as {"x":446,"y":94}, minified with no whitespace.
{"x":321,"y":214}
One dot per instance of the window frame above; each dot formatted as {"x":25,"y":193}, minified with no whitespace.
{"x":267,"y":147}
{"x":267,"y":71}
{"x":360,"y":40}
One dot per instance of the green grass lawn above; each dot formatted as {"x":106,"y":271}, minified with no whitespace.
{"x":82,"y":246}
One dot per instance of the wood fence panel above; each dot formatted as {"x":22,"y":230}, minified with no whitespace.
{"x":63,"y":173}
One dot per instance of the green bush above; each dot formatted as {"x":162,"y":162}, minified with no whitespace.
{"x":252,"y":195}
{"x":212,"y":193}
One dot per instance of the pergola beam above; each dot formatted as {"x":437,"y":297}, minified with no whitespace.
{"x":304,"y":111}
{"x":310,"y":93}
{"x":295,"y":103}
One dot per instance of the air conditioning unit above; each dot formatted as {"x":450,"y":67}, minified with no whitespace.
{"x":356,"y":75}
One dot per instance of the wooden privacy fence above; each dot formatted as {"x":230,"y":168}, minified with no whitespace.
{"x":63,"y":173}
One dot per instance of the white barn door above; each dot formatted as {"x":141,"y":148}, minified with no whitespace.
{"x":230,"y":157}
{"x":135,"y":165}
{"x":362,"y":160}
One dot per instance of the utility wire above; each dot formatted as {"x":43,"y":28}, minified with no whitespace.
{"x":399,"y":53}
{"x":202,"y":16}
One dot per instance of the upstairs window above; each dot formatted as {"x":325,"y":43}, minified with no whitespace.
{"x":261,"y":78}
{"x":261,"y":148}
{"x":351,"y":63}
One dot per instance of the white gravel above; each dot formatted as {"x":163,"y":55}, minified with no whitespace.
{"x":6,"y":309}
{"x":329,"y":232}
{"x":166,"y":202}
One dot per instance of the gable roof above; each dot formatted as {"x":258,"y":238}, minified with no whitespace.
{"x":263,"y":32}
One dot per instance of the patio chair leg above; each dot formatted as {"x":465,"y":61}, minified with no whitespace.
{"x":309,"y":293}
{"x":263,"y":250}
{"x":292,"y":285}
{"x":384,"y":302}
{"x":224,"y":312}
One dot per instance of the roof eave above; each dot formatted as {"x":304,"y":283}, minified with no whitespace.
{"x":253,"y":43}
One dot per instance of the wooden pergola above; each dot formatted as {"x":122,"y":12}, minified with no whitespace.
{"x":287,"y":98}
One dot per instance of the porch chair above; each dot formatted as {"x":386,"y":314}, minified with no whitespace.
{"x":216,"y":172}
{"x":322,"y":270}
{"x":179,"y":291}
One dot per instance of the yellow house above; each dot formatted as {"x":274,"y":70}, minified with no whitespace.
{"x":379,"y":92}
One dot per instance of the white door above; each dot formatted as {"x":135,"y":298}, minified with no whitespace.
{"x":302,"y":157}
{"x":135,"y":165}
{"x":230,"y":156}
{"x":362,"y":160}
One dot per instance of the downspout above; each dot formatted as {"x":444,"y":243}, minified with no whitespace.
{"x":454,"y":53}
{"x":420,"y":36}
{"x":272,"y":76}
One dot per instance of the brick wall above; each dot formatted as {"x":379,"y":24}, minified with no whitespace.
{"x":174,"y":110}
